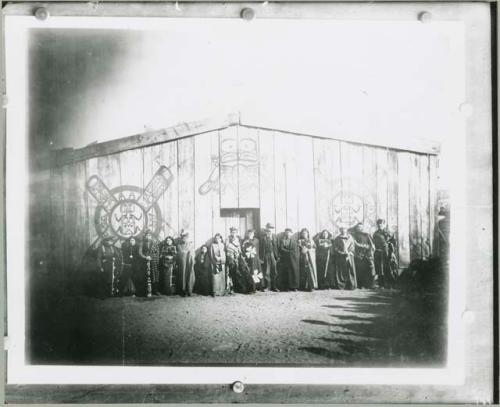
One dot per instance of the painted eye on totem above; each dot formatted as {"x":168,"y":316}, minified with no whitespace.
{"x":228,"y":145}
{"x":247,"y":144}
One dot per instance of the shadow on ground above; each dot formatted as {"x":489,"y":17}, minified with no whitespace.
{"x":374,"y":328}
{"x":408,"y":330}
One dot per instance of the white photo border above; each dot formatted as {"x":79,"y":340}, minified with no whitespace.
{"x":19,"y":372}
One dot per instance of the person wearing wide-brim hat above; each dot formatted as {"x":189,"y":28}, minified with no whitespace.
{"x":185,"y":265}
{"x":233,"y":235}
{"x":109,"y":263}
{"x":269,"y":257}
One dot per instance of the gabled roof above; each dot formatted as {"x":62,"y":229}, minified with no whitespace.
{"x":183,"y":130}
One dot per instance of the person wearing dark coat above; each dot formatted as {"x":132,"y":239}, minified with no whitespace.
{"x":218,"y":269}
{"x":363,"y":257}
{"x":386,"y":266}
{"x":149,"y":251}
{"x":233,"y":258}
{"x":269,"y":257}
{"x":307,"y":262}
{"x":250,"y":254}
{"x":289,"y":261}
{"x":131,"y":281}
{"x":168,"y":262}
{"x":109,"y":263}
{"x":345,"y":269}
{"x":324,"y":259}
{"x":202,"y":271}
{"x":185,"y":278}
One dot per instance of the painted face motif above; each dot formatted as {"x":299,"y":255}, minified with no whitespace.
{"x":127,"y":210}
{"x":238,"y":159}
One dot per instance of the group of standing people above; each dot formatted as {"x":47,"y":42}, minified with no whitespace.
{"x":148,"y":267}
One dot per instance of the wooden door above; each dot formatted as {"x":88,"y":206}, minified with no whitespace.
{"x":243,"y":219}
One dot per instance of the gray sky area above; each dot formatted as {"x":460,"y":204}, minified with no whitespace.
{"x":378,"y":79}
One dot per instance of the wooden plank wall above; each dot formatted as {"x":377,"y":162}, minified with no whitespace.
{"x":300,"y":182}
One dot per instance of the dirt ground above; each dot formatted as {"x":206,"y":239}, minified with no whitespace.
{"x":334,"y":328}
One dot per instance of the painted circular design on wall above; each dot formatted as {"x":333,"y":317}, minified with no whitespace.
{"x":128,"y":217}
{"x":351,"y":208}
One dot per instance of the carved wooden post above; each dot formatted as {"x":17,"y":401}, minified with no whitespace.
{"x":148,"y":273}
{"x":113,"y":277}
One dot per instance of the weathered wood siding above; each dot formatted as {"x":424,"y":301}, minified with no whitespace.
{"x":295,"y":181}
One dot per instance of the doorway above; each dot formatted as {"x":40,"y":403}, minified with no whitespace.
{"x":241,"y":218}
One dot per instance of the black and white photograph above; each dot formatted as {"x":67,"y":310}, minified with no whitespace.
{"x":251,"y":192}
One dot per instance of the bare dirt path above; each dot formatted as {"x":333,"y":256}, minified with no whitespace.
{"x":334,"y":328}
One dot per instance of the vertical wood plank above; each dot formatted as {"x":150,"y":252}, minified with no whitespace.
{"x":70,"y":210}
{"x":370,"y":183}
{"x":131,"y":168}
{"x":148,"y":165}
{"x":352,"y":183}
{"x":305,"y":183}
{"x":266,"y":177}
{"x":335,"y":189}
{"x":392,"y":183}
{"x":203,"y":199}
{"x":345,"y":183}
{"x":323,"y":180}
{"x":433,"y":210}
{"x":415,"y":211}
{"x":78,"y":216}
{"x":280,"y":184}
{"x":228,"y":151}
{"x":132,"y":172}
{"x":292,"y":190}
{"x":156,"y":163}
{"x":248,"y":167}
{"x":91,"y":170}
{"x":424,"y":205}
{"x":83,"y":221}
{"x":170,"y":203}
{"x":108,"y":168}
{"x":186,"y":183}
{"x":382,"y":188}
{"x":218,"y":223}
{"x":404,"y":208}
